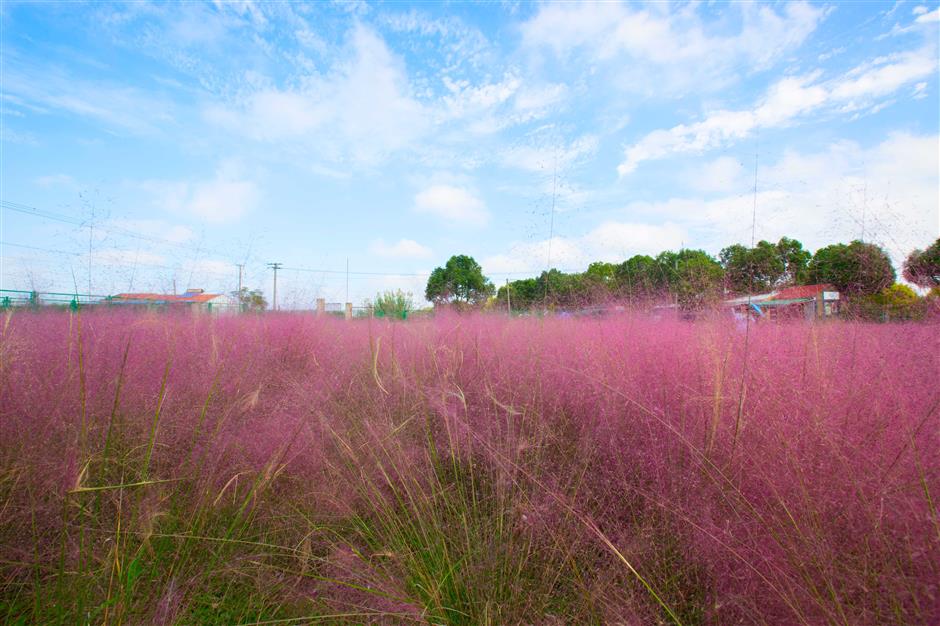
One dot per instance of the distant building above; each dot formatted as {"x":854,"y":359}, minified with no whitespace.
{"x":801,"y":302}
{"x":191,"y":298}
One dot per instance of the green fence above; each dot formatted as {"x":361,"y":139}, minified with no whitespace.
{"x":15,"y":298}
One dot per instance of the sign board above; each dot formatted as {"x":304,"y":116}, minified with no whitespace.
{"x":830,"y":295}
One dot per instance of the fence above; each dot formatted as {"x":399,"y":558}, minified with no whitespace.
{"x":15,"y":298}
{"x":10,"y":298}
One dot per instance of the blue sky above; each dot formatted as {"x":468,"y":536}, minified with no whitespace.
{"x":164,"y":143}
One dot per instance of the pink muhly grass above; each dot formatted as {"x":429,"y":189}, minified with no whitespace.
{"x":467,"y":469}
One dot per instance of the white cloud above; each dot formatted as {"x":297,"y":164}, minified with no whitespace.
{"x":926,"y":18}
{"x":488,"y":107}
{"x":48,"y":89}
{"x":211,"y":267}
{"x":330,"y":172}
{"x":363,"y":109}
{"x":611,"y":241}
{"x":222,"y":200}
{"x":225,"y":198}
{"x":536,"y":99}
{"x":723,"y":175}
{"x":542,"y":155}
{"x":402,"y":249}
{"x":55,"y":180}
{"x":661,"y":50}
{"x":174,"y":233}
{"x":886,"y":193}
{"x":454,"y":204}
{"x":126,"y":257}
{"x":785,"y":102}
{"x":883,"y":77}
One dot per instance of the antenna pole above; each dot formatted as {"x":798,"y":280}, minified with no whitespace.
{"x":508,"y":300}
{"x":275,"y":267}
{"x":551,"y":231}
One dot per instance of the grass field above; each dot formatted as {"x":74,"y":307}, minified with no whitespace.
{"x":277,"y":469}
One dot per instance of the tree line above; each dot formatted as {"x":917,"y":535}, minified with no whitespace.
{"x":692,"y":279}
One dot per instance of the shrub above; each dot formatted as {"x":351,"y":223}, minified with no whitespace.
{"x":466,"y":469}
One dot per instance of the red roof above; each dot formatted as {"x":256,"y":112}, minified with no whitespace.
{"x":192,"y":298}
{"x":801,"y":291}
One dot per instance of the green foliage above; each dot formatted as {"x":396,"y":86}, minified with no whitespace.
{"x":396,"y":304}
{"x":250,"y":300}
{"x":795,"y":260}
{"x":922,"y":267}
{"x":895,"y":303}
{"x":561,"y":289}
{"x":460,"y":282}
{"x":765,"y":266}
{"x":694,"y":277}
{"x":601,"y":272}
{"x":857,"y":268}
{"x":523,"y":294}
{"x":639,"y":277}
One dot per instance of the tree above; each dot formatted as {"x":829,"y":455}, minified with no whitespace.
{"x":560,"y":289}
{"x":250,"y":300}
{"x":600,"y":272}
{"x":922,"y":267}
{"x":696,"y":278}
{"x":735,"y":260}
{"x":460,"y":282}
{"x":523,"y":293}
{"x":897,"y":302}
{"x":765,"y":266}
{"x":795,"y":260}
{"x":396,"y":304}
{"x":857,"y":268}
{"x":640,"y":277}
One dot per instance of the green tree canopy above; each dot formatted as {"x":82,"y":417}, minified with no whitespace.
{"x":460,"y":282}
{"x":795,"y":260}
{"x":601,"y":272}
{"x":640,"y":277}
{"x":694,"y":277}
{"x":922,"y":267}
{"x":765,"y":266}
{"x":523,"y":293}
{"x":855,"y":268}
{"x":894,"y":303}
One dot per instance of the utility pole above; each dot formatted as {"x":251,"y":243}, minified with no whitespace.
{"x":241,"y":266}
{"x":508,"y":300}
{"x":275,"y":267}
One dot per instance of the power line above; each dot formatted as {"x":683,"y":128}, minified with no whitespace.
{"x":343,"y":272}
{"x":112,"y":261}
{"x":65,"y":219}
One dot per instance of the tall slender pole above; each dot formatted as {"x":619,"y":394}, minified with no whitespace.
{"x":275,"y":267}
{"x":508,"y":300}
{"x":551,"y":231}
{"x":241,"y":266}
{"x":91,"y":234}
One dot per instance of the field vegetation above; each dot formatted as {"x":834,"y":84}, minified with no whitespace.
{"x":186,"y":469}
